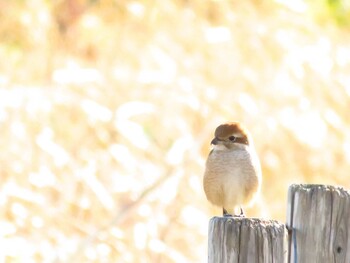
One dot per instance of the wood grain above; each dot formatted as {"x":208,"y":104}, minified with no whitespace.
{"x":234,"y":239}
{"x":319,"y":217}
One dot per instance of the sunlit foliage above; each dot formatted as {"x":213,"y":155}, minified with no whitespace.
{"x":107,"y":109}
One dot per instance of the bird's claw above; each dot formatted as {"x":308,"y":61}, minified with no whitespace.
{"x":242,"y":213}
{"x":225,"y":214}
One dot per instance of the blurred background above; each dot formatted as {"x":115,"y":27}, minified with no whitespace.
{"x":107,"y":109}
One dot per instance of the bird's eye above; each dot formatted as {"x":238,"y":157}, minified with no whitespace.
{"x":232,"y":138}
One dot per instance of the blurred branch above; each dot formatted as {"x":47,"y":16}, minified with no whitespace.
{"x":121,"y":215}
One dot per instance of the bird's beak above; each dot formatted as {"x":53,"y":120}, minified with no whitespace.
{"x":214,"y":141}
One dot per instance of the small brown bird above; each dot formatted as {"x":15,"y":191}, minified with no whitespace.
{"x":232,"y":176}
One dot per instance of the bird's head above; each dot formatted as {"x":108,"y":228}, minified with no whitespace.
{"x":230,"y":135}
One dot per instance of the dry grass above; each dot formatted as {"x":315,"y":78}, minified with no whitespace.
{"x":107,"y":109}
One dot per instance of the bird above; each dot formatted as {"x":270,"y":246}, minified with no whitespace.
{"x":232,"y":176}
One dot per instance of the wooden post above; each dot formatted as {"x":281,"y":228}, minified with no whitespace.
{"x":246,"y":240}
{"x":319,"y":217}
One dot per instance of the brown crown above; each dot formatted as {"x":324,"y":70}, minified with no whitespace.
{"x":227,"y":129}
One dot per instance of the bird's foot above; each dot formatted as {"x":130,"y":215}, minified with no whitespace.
{"x":241,"y":214}
{"x":225,"y":214}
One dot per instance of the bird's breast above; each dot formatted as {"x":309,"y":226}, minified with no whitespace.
{"x":232,"y":162}
{"x":231,"y":176}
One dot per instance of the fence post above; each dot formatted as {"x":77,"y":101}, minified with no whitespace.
{"x":319,"y":217}
{"x":246,"y":240}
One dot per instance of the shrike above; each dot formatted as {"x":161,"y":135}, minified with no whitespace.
{"x":232,"y":176}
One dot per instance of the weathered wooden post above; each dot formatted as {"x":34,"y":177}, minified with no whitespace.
{"x":246,"y":240}
{"x":319,"y":217}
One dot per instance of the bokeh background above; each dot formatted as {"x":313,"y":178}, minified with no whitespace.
{"x":107,"y":109}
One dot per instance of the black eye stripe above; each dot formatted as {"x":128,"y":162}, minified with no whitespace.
{"x":232,"y":138}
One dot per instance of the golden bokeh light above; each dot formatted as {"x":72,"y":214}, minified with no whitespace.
{"x":107,"y":109}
